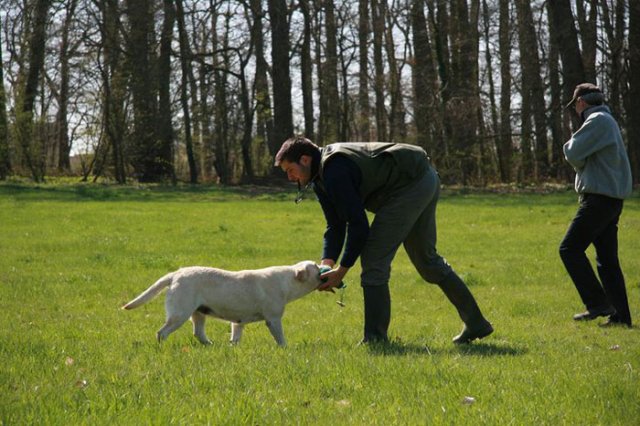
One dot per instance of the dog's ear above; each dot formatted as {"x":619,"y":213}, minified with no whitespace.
{"x":301,"y":274}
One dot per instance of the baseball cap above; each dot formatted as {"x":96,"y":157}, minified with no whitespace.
{"x":584,"y":89}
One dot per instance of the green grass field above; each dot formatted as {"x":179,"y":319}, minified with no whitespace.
{"x":71,"y":255}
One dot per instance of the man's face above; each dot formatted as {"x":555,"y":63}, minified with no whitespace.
{"x":298,"y":172}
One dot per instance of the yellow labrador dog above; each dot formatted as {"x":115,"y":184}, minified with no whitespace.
{"x":238,"y":297}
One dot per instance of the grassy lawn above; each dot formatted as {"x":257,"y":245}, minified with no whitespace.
{"x":71,"y":255}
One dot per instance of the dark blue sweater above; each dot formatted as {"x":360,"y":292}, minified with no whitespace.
{"x":338,"y":192}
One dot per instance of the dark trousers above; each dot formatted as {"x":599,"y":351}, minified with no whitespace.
{"x":596,"y":222}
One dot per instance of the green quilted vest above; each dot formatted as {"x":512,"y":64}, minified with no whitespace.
{"x":385,"y":167}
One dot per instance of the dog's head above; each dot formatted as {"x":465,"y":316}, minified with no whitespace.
{"x":307,"y":272}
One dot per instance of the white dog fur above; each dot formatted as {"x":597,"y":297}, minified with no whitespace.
{"x":238,"y":297}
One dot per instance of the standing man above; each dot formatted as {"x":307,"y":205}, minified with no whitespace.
{"x":399,"y":185}
{"x":603,"y":181}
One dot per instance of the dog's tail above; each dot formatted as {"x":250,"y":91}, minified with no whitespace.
{"x":151,"y":292}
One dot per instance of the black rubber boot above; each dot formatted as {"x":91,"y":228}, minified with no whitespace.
{"x":475,"y":325}
{"x":377,"y":313}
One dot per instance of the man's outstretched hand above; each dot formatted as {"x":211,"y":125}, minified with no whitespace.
{"x":332,"y":278}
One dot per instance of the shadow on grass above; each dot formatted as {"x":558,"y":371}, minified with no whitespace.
{"x":489,"y":349}
{"x":399,"y":348}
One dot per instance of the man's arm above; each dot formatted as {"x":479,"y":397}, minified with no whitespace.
{"x":344,"y":211}
{"x":590,"y":138}
{"x":341,"y":179}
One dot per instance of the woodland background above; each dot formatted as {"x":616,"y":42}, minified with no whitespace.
{"x":200,"y":91}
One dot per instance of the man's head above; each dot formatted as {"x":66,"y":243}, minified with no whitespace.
{"x":586,"y":95}
{"x":295,"y":158}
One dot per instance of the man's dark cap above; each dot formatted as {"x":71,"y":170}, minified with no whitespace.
{"x":584,"y":89}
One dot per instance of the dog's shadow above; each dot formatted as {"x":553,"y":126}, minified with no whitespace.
{"x":400,"y":348}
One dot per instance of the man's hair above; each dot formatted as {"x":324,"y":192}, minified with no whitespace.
{"x":588,"y":92}
{"x":294,"y":148}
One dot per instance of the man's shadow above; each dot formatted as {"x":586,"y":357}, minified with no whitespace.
{"x":480,"y":349}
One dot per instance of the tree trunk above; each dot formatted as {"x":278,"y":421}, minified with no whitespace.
{"x":328,"y":79}
{"x":397,"y":130}
{"x":566,"y":38}
{"x":221,"y":106}
{"x":264,"y":117}
{"x":5,"y":159}
{"x":440,"y":36}
{"x":247,"y":115}
{"x":556,"y":109}
{"x":632,"y":104}
{"x":306,"y":72}
{"x":186,"y":73}
{"x":463,"y":106}
{"x":533,"y":88}
{"x":588,"y":36}
{"x":152,"y":160}
{"x":116,"y":123}
{"x":247,"y":125}
{"x":423,"y":76}
{"x":614,"y":25}
{"x":492,"y":91}
{"x":62,"y":125}
{"x":114,"y":87}
{"x":505,"y":145}
{"x":364,"y":122}
{"x":346,"y":116}
{"x":31,"y":147}
{"x":204,"y":121}
{"x":377,"y":13}
{"x":163,"y":126}
{"x":282,"y":107}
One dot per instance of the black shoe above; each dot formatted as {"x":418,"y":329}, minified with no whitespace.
{"x":470,"y":334}
{"x":592,"y":314}
{"x":374,"y":341}
{"x":614,"y":321}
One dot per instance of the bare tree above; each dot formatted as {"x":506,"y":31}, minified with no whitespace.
{"x":439,"y":30}
{"x":378,"y":8}
{"x":152,"y":158}
{"x":281,"y":78}
{"x":328,"y":129}
{"x":423,"y":77}
{"x":397,"y":126}
{"x":306,"y":71}
{"x":62,"y":124}
{"x":505,"y":145}
{"x":364,"y":106}
{"x":186,"y":79}
{"x":632,"y":104}
{"x":264,"y":113}
{"x":462,"y":108}
{"x":32,"y":148}
{"x":490,"y":166}
{"x":588,"y":36}
{"x":246,"y":108}
{"x":222,"y":161}
{"x":5,"y":161}
{"x":614,"y":51}
{"x":114,"y":81}
{"x":535,"y":158}
{"x":164,"y":123}
{"x":556,"y":109}
{"x":566,"y":37}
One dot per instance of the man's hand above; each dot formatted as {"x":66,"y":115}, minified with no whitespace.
{"x":332,"y":279}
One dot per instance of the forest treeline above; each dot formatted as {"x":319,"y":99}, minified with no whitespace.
{"x":168,"y":90}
